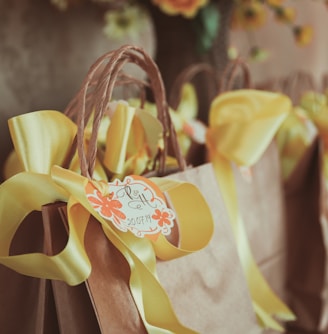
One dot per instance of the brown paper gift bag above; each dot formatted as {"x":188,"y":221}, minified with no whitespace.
{"x":305,"y":196}
{"x":207,"y":288}
{"x":212,"y":277}
{"x":264,"y":230}
{"x":217,"y":299}
{"x":213,"y":310}
{"x":26,"y":303}
{"x":261,"y":202}
{"x":307,"y":264}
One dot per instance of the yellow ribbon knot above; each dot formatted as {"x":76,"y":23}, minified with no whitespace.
{"x":242,"y":124}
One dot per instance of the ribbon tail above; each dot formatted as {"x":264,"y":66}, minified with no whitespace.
{"x":157,"y":313}
{"x":71,"y":264}
{"x":266,"y":320}
{"x":151,"y":299}
{"x":267,"y":302}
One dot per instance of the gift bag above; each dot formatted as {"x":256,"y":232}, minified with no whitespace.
{"x":268,"y":264}
{"x":111,"y":272}
{"x":265,"y":222}
{"x":27,"y":303}
{"x":302,"y":150}
{"x":307,"y":244}
{"x":239,"y":140}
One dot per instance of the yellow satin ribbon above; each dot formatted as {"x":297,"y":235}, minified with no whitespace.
{"x":183,"y":118}
{"x":28,"y":191}
{"x":316,"y":108}
{"x":195,"y":232}
{"x":138,"y":133}
{"x":242,"y":124}
{"x":293,"y":137}
{"x":40,"y":129}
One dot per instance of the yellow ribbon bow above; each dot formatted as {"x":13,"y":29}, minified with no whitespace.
{"x":242,"y":123}
{"x":42,"y":140}
{"x":186,"y":125}
{"x":29,"y":130}
{"x":138,"y":133}
{"x":293,"y":137}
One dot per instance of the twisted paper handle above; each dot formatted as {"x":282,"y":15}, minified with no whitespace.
{"x":295,"y":85}
{"x":96,"y":92}
{"x":186,"y":76}
{"x":230,"y":74}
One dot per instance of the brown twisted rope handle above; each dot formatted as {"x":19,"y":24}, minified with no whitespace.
{"x":230,"y":74}
{"x":96,"y":92}
{"x":324,"y":82}
{"x":187,"y":75}
{"x":297,"y":84}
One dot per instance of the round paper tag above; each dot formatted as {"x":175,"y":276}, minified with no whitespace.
{"x":134,"y":204}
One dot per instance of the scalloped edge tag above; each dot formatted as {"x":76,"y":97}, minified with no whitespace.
{"x":135,"y":204}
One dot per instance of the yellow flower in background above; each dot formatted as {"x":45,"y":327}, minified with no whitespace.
{"x":275,"y":3}
{"x":249,"y":15}
{"x":303,"y":34}
{"x":232,"y":52}
{"x":258,"y":54}
{"x":186,"y":8}
{"x":124,"y":22}
{"x":285,"y":14}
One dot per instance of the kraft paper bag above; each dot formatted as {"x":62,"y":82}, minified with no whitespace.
{"x":26,"y":303}
{"x":307,"y":261}
{"x":217,"y":299}
{"x":207,"y":288}
{"x":211,"y":282}
{"x":261,"y":202}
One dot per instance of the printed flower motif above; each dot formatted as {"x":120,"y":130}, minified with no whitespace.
{"x":162,"y":217}
{"x":187,"y":8}
{"x":303,"y":34}
{"x":107,"y":206}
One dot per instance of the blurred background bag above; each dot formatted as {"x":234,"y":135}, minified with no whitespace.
{"x":302,"y":147}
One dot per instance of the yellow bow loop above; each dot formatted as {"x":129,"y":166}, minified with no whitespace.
{"x":138,"y":133}
{"x":242,"y":123}
{"x":42,"y":139}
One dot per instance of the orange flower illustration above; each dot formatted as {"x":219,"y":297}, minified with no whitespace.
{"x":187,"y":8}
{"x":162,"y":217}
{"x":107,"y":206}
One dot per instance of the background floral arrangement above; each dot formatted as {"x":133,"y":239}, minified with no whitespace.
{"x":250,"y":15}
{"x":125,"y":17}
